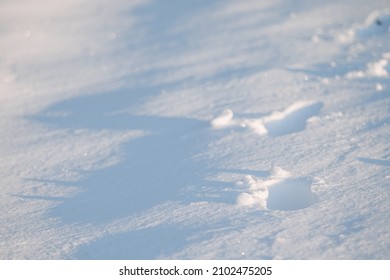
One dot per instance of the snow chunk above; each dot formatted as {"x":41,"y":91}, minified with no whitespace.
{"x":379,"y":87}
{"x":256,"y":125}
{"x":378,"y":68}
{"x":223,"y":120}
{"x":278,"y":172}
{"x":257,"y":195}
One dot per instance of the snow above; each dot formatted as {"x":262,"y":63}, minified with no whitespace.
{"x":223,"y":120}
{"x":196,"y":130}
{"x":292,"y":119}
{"x":374,"y":69}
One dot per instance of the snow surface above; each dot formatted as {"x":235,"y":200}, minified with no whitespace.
{"x":194,"y":129}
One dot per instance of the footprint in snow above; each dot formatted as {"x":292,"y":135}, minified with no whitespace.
{"x":279,"y":192}
{"x":292,"y":119}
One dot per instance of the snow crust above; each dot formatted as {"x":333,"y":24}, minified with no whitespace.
{"x":194,"y":130}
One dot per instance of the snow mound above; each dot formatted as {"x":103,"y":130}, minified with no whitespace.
{"x":293,"y":119}
{"x":257,"y":192}
{"x":380,"y":68}
{"x":377,"y":23}
{"x":223,"y":120}
{"x":279,"y":192}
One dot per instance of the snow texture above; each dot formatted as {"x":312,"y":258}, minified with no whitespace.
{"x":194,"y":129}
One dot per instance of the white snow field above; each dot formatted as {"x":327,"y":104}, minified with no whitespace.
{"x":194,"y":129}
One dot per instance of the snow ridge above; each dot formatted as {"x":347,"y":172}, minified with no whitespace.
{"x":292,"y":119}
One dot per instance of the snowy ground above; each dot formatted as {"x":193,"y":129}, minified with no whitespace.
{"x":195,"y":129}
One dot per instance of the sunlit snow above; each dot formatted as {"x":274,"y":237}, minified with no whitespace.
{"x":194,"y":129}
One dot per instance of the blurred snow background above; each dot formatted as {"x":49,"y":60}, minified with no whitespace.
{"x":194,"y":129}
